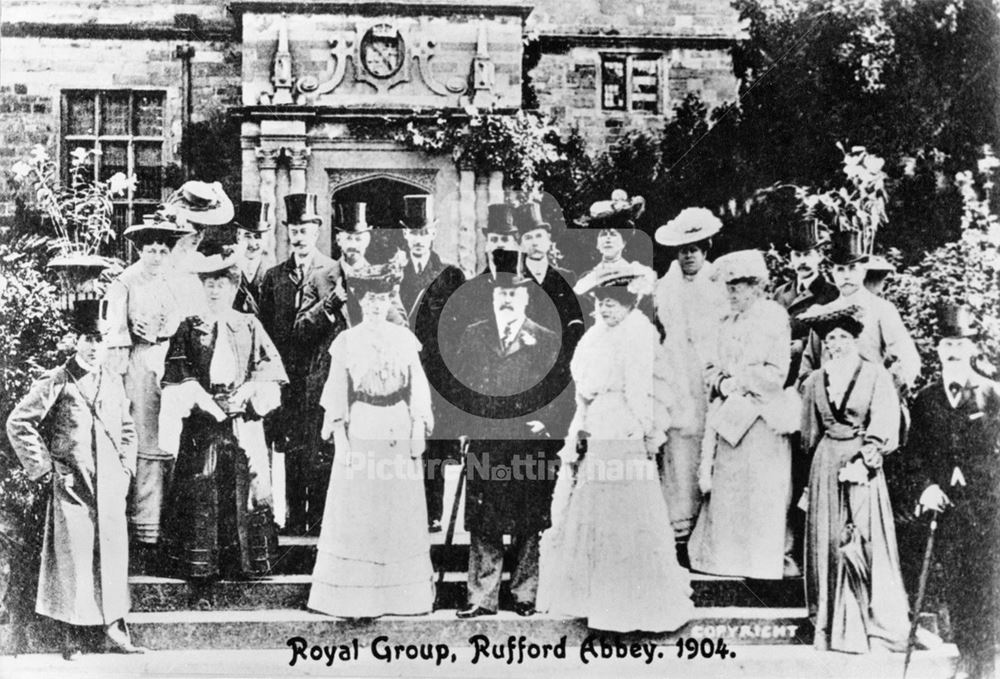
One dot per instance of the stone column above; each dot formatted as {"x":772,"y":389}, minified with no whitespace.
{"x":482,"y":214}
{"x":267,"y":164}
{"x":467,"y":232}
{"x":495,"y":184}
{"x":298,"y":161}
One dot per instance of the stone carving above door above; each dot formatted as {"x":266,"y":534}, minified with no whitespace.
{"x":383,"y":53}
{"x":422,"y":178}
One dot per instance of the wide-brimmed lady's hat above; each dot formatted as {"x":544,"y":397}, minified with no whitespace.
{"x":202,"y":203}
{"x":825,"y":318}
{"x":625,"y":281}
{"x":160,"y":225}
{"x":620,"y":212}
{"x":879,"y":264}
{"x":692,"y":225}
{"x":377,"y":278}
{"x":742,"y":266}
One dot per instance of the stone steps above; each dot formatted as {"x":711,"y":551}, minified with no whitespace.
{"x":157,"y":594}
{"x":274,"y":627}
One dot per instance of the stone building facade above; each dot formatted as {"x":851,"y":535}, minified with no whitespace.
{"x":312,"y":83}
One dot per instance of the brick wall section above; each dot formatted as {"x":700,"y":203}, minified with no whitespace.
{"x":34,"y":72}
{"x":636,"y":17}
{"x":567,"y":84}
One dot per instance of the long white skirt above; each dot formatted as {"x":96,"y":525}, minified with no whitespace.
{"x":374,"y":551}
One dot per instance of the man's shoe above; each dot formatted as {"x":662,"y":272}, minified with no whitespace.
{"x":524,"y":609}
{"x":474,"y":612}
{"x":434,"y":526}
{"x":71,"y":645}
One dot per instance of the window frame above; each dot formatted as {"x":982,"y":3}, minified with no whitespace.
{"x":630,"y":58}
{"x":134,"y":206}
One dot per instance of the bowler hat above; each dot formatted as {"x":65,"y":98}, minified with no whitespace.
{"x":302,"y":208}
{"x":252,"y":216}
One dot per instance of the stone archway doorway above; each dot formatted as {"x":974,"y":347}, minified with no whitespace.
{"x":383,"y":197}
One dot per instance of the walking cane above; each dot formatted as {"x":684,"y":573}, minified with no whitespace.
{"x":449,"y":535}
{"x":921,"y":590}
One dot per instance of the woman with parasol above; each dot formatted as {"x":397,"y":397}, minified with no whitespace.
{"x":850,"y":420}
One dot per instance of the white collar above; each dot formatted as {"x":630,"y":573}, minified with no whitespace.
{"x":805,"y":285}
{"x":304,"y":262}
{"x":420,"y":263}
{"x":89,"y":367}
{"x":537,"y":267}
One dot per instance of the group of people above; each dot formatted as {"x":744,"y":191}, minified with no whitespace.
{"x":621,"y":430}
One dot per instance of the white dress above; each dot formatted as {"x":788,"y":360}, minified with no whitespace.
{"x":374,"y":551}
{"x":609,"y":556}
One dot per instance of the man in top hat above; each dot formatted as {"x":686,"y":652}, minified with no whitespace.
{"x":145,"y":304}
{"x":425,"y":288}
{"x":689,"y":308}
{"x":613,"y":222}
{"x":500,"y":232}
{"x":809,"y":287}
{"x":251,"y":229}
{"x":955,"y":470}
{"x":503,"y":362}
{"x":884,"y":340}
{"x":73,"y":432}
{"x":288,"y":292}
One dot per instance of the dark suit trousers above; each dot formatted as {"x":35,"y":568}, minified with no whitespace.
{"x":308,"y":462}
{"x":438,"y":451}
{"x":486,"y":569}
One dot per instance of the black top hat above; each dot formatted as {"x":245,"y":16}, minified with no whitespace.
{"x":805,"y":234}
{"x":528,"y":217}
{"x":87,"y":317}
{"x":418,"y":212}
{"x":955,"y":320}
{"x":506,"y":270}
{"x":302,"y":208}
{"x":847,"y":248}
{"x":252,"y":216}
{"x":350,"y":217}
{"x":500,"y":219}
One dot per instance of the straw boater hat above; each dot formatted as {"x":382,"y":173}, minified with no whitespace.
{"x":202,"y":203}
{"x":252,"y":216}
{"x":955,"y":321}
{"x":742,"y":265}
{"x":692,"y":225}
{"x":823,"y":319}
{"x":418,"y":213}
{"x":162,"y":224}
{"x":618,"y":213}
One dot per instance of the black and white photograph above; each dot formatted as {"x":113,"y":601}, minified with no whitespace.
{"x":500,"y":338}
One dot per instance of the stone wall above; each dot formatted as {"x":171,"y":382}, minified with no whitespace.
{"x":35,"y":71}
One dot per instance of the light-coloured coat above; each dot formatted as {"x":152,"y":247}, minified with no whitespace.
{"x":84,"y":571}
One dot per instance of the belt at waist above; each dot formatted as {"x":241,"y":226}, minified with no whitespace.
{"x":378,"y":400}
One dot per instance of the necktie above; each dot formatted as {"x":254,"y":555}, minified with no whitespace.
{"x":508,"y":336}
{"x":297,"y":278}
